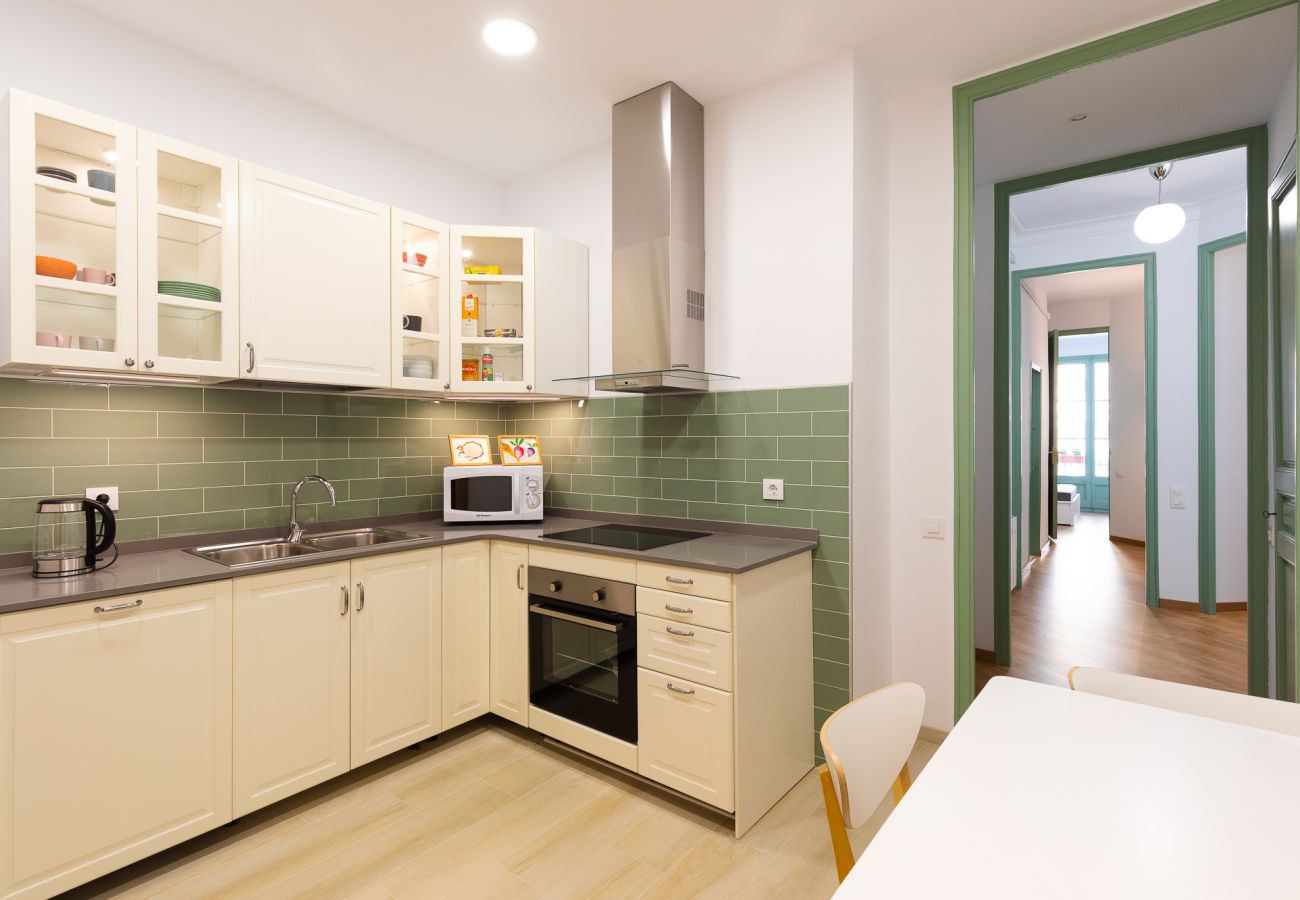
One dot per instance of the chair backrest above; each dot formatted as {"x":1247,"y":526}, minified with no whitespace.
{"x":1242,"y":709}
{"x":867,"y":743}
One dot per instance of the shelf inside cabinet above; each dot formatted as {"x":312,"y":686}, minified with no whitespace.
{"x":421,"y":336}
{"x":186,"y":215}
{"x":83,"y":288}
{"x":75,"y":203}
{"x":493,"y":279}
{"x":422,"y":271}
{"x":187,"y":228}
{"x":494,"y":341}
{"x":201,"y":308}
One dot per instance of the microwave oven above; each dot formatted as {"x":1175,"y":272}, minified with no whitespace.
{"x":492,"y":493}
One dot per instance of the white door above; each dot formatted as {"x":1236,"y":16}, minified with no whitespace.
{"x":84,"y":225}
{"x":686,"y":738}
{"x":396,"y":652}
{"x":291,"y":682}
{"x":314,"y":283}
{"x":509,"y":632}
{"x":189,"y":259}
{"x":114,"y":733}
{"x":466,"y":625}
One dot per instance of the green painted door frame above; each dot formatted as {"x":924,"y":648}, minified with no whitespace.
{"x":1088,"y":481}
{"x":965,"y":96}
{"x":1001,"y":582}
{"x":1035,"y":464}
{"x":1207,"y":575}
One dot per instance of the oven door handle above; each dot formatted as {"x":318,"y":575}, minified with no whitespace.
{"x":569,"y":617}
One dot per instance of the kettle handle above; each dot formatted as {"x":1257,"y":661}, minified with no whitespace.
{"x":93,"y":549}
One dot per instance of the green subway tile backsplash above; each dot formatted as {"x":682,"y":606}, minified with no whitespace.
{"x":197,"y":460}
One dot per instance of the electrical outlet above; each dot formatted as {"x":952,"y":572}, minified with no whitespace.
{"x":93,"y":493}
{"x":773,"y":488}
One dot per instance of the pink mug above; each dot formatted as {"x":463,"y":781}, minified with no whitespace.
{"x":98,"y":276}
{"x":53,"y":339}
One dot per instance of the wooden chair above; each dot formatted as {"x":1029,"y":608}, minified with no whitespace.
{"x":1241,"y":709}
{"x":866,"y":744}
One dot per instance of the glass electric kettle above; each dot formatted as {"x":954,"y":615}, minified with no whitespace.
{"x":71,"y":532}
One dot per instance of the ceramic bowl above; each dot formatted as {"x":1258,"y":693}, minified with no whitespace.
{"x":89,"y":342}
{"x":53,"y":339}
{"x":55,"y":267}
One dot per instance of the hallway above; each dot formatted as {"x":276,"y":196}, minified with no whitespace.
{"x":1084,"y":604}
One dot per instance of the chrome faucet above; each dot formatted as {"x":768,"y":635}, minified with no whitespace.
{"x":295,"y":530}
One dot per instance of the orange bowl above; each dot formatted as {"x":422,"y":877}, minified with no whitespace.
{"x":55,"y":268}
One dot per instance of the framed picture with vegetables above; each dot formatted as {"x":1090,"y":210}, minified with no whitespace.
{"x":470,"y":449}
{"x":520,"y":450}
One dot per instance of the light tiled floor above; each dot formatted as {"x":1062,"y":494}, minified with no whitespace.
{"x":489,"y":810}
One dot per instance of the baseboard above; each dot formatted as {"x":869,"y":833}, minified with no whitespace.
{"x":987,"y":656}
{"x":1219,"y":606}
{"x":1116,"y":539}
{"x":932,"y":734}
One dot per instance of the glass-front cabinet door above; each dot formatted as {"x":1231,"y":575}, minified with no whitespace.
{"x":492,"y":310}
{"x":420,"y":286}
{"x":72,"y":237}
{"x":189,"y":277}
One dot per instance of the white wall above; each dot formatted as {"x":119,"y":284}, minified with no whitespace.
{"x":1281,"y":124}
{"x":1230,"y":507}
{"x":59,"y":51}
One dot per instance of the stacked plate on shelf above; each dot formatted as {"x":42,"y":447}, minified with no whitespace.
{"x":417,"y":366}
{"x":190,"y":290}
{"x":56,"y":173}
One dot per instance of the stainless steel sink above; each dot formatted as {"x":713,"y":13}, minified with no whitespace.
{"x":356,"y":537}
{"x":251,"y":552}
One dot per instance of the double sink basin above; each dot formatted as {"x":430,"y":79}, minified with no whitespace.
{"x":252,"y":552}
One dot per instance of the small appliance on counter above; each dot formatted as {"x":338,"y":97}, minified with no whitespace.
{"x":492,"y":494}
{"x":71,"y":532}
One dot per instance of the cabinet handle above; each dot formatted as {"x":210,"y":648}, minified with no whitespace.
{"x":129,"y":362}
{"x":519,"y":577}
{"x":361,"y":596}
{"x":148,"y":363}
{"x":676,"y":690}
{"x":680,"y":610}
{"x":673,"y":579}
{"x":119,"y":607}
{"x":252,"y":357}
{"x":671,"y":630}
{"x":347,"y":597}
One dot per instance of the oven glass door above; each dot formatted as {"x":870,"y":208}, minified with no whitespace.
{"x":483,"y":493}
{"x":582,"y":665}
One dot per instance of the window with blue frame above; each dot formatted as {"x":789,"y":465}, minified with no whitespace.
{"x":1083,"y":417}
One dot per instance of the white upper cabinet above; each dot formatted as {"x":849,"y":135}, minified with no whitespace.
{"x":420,"y":307}
{"x":314,"y":283}
{"x":70,"y":195}
{"x":189,"y":259}
{"x":492,"y":321}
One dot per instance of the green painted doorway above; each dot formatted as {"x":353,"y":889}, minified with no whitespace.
{"x":1035,"y":460}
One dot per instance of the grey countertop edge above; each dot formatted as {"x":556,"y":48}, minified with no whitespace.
{"x":173,"y":567}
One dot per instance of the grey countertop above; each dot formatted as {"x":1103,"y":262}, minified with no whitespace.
{"x":724,"y":551}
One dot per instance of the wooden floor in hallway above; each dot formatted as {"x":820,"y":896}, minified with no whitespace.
{"x":1084,"y":603}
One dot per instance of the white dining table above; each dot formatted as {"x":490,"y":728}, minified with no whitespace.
{"x":1044,"y":792}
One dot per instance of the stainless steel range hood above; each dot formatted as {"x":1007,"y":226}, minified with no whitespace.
{"x":658,"y":243}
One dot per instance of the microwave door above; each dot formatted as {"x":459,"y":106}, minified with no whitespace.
{"x":483,"y":494}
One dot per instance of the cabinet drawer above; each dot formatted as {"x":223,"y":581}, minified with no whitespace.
{"x":688,"y":651}
{"x":611,"y":567}
{"x":684,"y":581}
{"x":684,"y":608}
{"x":686,"y":738}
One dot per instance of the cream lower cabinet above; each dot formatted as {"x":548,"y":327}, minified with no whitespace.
{"x":508,"y":678}
{"x":396,"y":652}
{"x":114,"y":733}
{"x":292,"y":727}
{"x":466,"y":629}
{"x":686,"y":738}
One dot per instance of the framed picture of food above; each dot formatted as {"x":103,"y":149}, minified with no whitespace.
{"x":520,"y":450}
{"x":470,"y":449}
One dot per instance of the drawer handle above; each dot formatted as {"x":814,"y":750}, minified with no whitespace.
{"x":673,"y":579}
{"x":347,"y":597}
{"x":119,"y":607}
{"x":361,"y":596}
{"x":671,"y":630}
{"x":676,"y":690}
{"x":680,"y":610}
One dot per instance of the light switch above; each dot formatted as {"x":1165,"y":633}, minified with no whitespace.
{"x":773,"y":488}
{"x":932,"y":528}
{"x":1177,"y":497}
{"x":93,"y":493}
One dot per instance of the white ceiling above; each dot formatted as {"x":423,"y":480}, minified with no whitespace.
{"x":1192,"y":182}
{"x":419,"y":70}
{"x":1216,"y":81}
{"x":1118,"y":283}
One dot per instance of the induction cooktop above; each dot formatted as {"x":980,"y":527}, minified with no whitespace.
{"x":626,"y":537}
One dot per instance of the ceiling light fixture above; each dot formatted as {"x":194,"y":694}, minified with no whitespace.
{"x":1163,"y":221}
{"x":467,"y":253}
{"x":510,"y":37}
{"x":110,"y":156}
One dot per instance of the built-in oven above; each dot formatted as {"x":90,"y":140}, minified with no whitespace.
{"x":582,"y":650}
